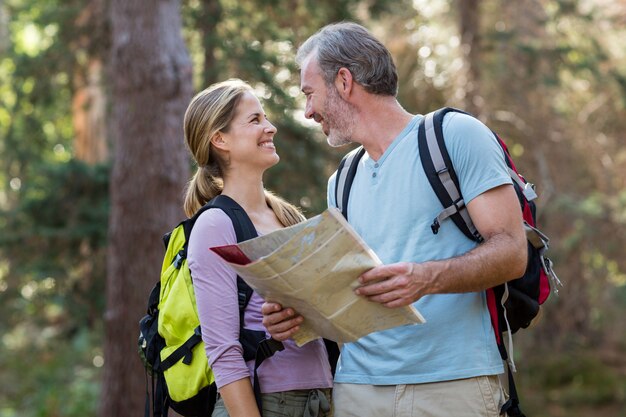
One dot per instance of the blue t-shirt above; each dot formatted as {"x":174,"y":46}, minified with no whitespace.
{"x":392,"y":206}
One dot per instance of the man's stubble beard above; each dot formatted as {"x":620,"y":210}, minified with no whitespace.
{"x":339,"y":114}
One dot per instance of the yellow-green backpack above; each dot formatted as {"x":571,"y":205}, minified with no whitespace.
{"x":170,"y":341}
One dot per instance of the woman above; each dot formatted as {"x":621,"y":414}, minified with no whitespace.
{"x":231,"y":140}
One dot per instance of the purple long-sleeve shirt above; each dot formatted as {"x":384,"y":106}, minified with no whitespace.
{"x":215,"y":286}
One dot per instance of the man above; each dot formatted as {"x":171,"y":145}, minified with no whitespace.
{"x":448,"y":366}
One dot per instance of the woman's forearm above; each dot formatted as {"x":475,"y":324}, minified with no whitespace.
{"x":239,"y":399}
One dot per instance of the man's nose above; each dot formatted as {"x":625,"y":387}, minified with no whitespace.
{"x":308,"y":110}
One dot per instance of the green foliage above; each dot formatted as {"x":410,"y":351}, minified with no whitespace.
{"x":57,"y":378}
{"x":61,"y":207}
{"x":53,"y":215}
{"x":572,"y":384}
{"x":63,"y":203}
{"x":52,"y":282}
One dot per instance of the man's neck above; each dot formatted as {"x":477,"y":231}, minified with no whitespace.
{"x":381,"y":121}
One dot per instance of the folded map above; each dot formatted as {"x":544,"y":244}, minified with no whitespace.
{"x":313,"y":267}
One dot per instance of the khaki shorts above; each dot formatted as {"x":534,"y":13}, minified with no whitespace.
{"x":480,"y":396}
{"x":298,"y":403}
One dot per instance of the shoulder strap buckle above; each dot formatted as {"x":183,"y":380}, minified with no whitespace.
{"x":435,"y":226}
{"x":180,"y":257}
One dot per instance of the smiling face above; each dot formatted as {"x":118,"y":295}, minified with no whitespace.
{"x":249,"y":138}
{"x":325,"y":106}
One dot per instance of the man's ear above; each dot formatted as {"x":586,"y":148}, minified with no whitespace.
{"x":219,"y":142}
{"x":344,"y":82}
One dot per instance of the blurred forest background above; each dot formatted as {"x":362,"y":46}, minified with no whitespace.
{"x":92,"y":168}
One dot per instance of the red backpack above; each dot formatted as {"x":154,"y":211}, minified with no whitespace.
{"x":512,"y":305}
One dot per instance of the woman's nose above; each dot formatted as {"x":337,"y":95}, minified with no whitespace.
{"x":270,"y":128}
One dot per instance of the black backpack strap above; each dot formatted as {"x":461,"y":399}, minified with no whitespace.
{"x":183,"y":352}
{"x":244,"y":229}
{"x":345,"y":176}
{"x":160,"y":397}
{"x":266,"y":349}
{"x":332,"y":349}
{"x":511,"y":407}
{"x":441,"y":174}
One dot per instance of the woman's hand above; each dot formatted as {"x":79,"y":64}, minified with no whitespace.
{"x":281,"y":323}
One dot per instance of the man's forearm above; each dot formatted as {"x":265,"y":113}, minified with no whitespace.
{"x":499,"y":259}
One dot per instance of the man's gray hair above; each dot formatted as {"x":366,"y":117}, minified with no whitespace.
{"x":352,"y":46}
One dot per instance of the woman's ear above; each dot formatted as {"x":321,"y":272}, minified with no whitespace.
{"x":219,"y":141}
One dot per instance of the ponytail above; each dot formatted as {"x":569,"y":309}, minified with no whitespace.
{"x":201,"y":189}
{"x":287,"y":213}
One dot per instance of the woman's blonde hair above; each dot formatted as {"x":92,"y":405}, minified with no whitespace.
{"x":209,"y":112}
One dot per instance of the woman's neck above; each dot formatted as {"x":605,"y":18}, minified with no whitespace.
{"x":247,"y":191}
{"x":250,"y":194}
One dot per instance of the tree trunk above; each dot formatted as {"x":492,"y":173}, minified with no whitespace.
{"x":88,"y":115}
{"x":469,"y":29}
{"x":89,"y":101}
{"x":150,"y":73}
{"x":209,"y":17}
